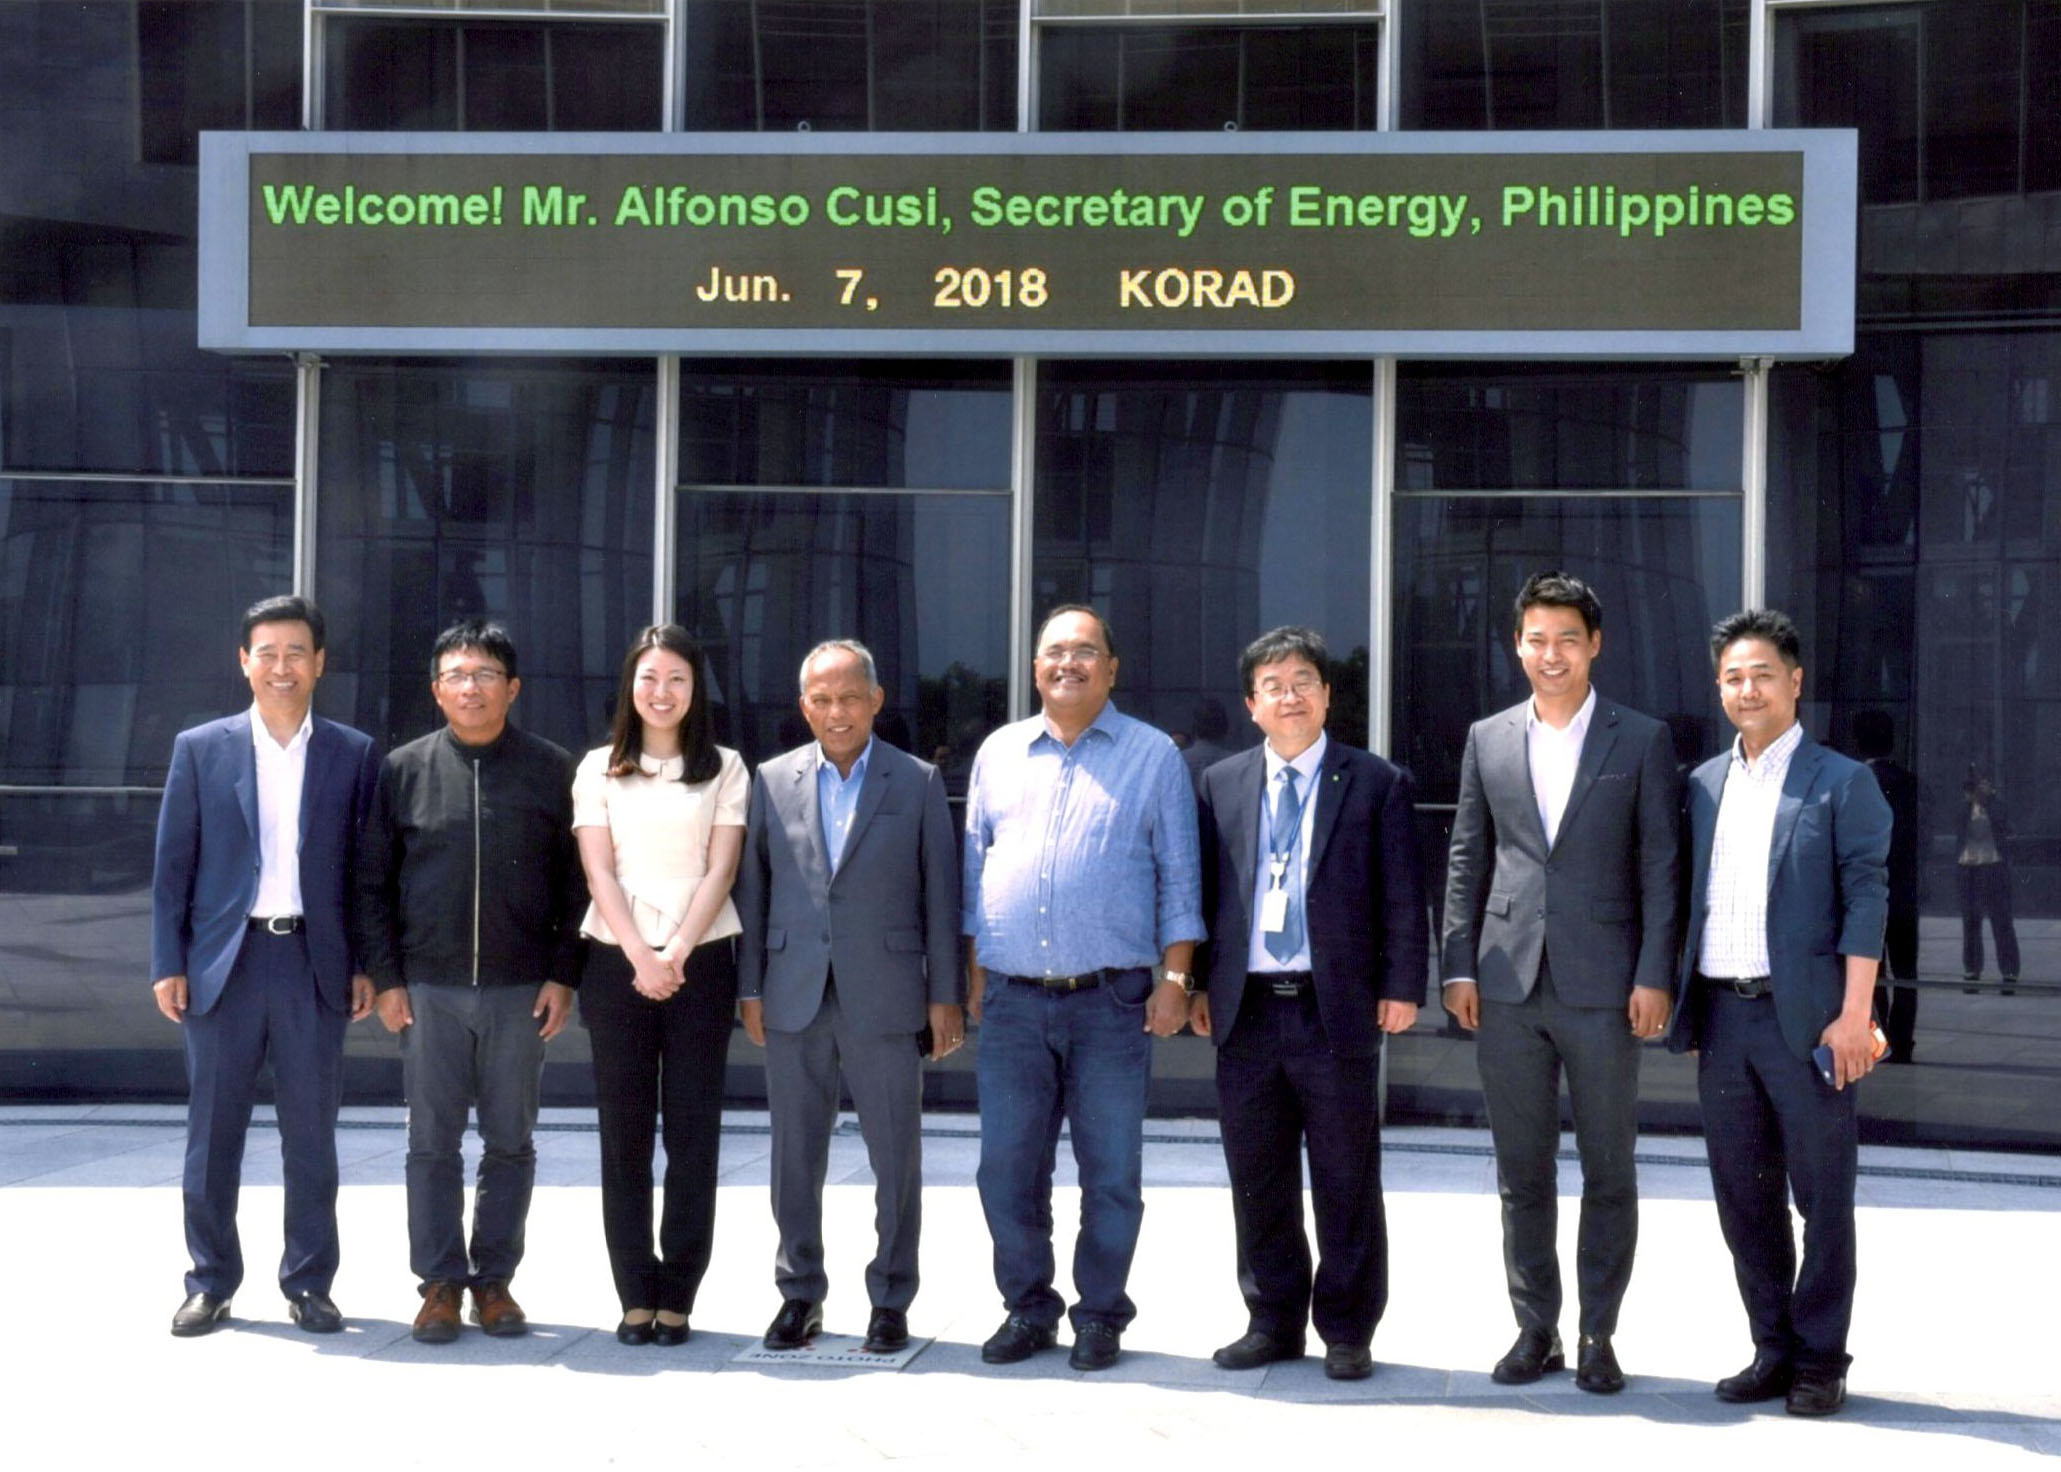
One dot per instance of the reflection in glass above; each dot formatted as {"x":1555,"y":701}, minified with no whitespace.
{"x":511,"y":490}
{"x":1574,"y":64}
{"x":921,"y":580}
{"x":1573,"y":428}
{"x":98,"y":366}
{"x":1196,"y":509}
{"x":493,"y":76}
{"x":1142,"y":78}
{"x":852,"y":65}
{"x":1666,"y":570}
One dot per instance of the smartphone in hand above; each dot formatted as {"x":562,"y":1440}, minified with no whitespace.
{"x":1822,"y":1055}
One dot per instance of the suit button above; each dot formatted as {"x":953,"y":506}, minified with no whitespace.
{"x":824,"y":937}
{"x":1542,"y":912}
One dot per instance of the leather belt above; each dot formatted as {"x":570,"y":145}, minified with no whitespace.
{"x":1286,"y":983}
{"x":1741,"y":986}
{"x":278,"y":924}
{"x":1080,"y":983}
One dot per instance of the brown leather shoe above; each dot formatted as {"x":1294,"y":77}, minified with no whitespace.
{"x":438,"y":1321}
{"x":495,"y":1310}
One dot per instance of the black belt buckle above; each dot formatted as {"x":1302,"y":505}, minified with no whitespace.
{"x":1079,"y":983}
{"x":1748,"y":987}
{"x":1287,"y":983}
{"x":276,"y":924}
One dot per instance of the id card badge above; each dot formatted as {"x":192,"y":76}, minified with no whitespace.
{"x":1274,"y":911}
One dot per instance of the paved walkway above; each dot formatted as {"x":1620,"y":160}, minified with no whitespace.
{"x":1954,"y":1335}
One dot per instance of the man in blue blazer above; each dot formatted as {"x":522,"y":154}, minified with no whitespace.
{"x":849,"y":897}
{"x":1317,"y":950}
{"x":1788,"y":897}
{"x":257,"y":841}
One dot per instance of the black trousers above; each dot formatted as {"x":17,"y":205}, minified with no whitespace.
{"x":1280,"y":1087}
{"x":1522,"y":1049}
{"x":653,"y":1061}
{"x":1986,"y":891}
{"x":1773,"y":1129}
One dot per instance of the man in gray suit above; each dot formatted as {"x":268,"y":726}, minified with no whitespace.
{"x":1558,"y":946}
{"x":849,"y":895}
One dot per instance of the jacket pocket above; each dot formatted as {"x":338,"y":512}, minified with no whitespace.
{"x":1498,"y":904}
{"x":776,"y":940}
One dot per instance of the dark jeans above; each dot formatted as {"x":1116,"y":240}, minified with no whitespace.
{"x":1279,"y":1085}
{"x":268,"y":1012}
{"x":1986,"y":890}
{"x":1521,"y":1051}
{"x":1768,"y":1118}
{"x":470,"y":1046}
{"x":1085,"y":1058}
{"x":652,"y":1059}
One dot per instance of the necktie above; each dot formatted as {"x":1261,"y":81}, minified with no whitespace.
{"x":1285,"y":839}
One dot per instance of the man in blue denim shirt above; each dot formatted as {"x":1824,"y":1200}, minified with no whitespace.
{"x":1082,"y":871}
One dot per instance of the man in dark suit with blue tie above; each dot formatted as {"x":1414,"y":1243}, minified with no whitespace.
{"x":257,"y":842}
{"x":849,"y":897}
{"x":1315,"y":905}
{"x":1558,"y":945}
{"x":1788,"y":897}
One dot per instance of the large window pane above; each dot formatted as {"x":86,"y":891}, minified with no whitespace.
{"x":868,"y":501}
{"x":1541,"y":428}
{"x":851,"y":65}
{"x":119,"y":607}
{"x":1197,"y":508}
{"x":100,"y":103}
{"x":493,"y":76}
{"x":518,"y":491}
{"x":1523,"y":64}
{"x":1140,"y":78}
{"x":1666,"y":569}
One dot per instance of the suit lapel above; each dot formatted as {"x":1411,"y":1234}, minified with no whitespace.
{"x":1595,"y":749}
{"x":1242,"y":822}
{"x":1332,"y":781}
{"x":1796,"y":783}
{"x":871,"y":794}
{"x":315,"y":776}
{"x":1516,"y":758}
{"x":802,"y":802}
{"x":243,"y":761}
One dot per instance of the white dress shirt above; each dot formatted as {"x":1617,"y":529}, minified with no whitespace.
{"x":282,"y":775}
{"x":1308,"y":768}
{"x":1735,"y":932}
{"x":1553,"y":756}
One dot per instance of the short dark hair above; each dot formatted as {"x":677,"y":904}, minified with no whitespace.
{"x":287,"y":608}
{"x":1557,"y":589}
{"x":1758,"y":623}
{"x":697,"y":731}
{"x":1290,"y":641}
{"x":1108,"y":634}
{"x":486,"y":635}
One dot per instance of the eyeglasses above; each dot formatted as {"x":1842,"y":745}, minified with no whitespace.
{"x":484,"y":679}
{"x":1071,"y":653}
{"x":1274,"y":693}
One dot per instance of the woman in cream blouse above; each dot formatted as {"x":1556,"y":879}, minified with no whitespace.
{"x":659,"y":815}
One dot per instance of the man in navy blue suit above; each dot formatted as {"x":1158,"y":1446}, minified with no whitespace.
{"x":1315,"y":904}
{"x":256,"y":844}
{"x":1788,"y":896}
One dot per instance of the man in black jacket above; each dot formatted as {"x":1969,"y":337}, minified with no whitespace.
{"x":470,"y":899}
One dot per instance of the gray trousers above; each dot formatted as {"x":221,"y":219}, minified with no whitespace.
{"x":1521,"y":1049}
{"x":885,"y":1075}
{"x":470,"y":1046}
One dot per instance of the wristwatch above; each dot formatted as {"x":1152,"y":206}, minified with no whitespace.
{"x":1185,"y":979}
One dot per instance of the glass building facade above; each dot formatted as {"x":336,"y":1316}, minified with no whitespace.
{"x":1903,"y":503}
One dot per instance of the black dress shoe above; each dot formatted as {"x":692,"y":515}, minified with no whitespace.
{"x":1595,"y":1366}
{"x":316,"y":1313}
{"x":1017,"y":1339}
{"x":668,"y":1335}
{"x":1767,"y":1378}
{"x":795,"y":1325}
{"x":199,"y":1314}
{"x":887,"y":1332}
{"x":1535,"y":1352}
{"x":644,"y":1333}
{"x":1816,"y":1393}
{"x":1348,"y":1362}
{"x":1095,"y":1347}
{"x":1258,"y":1348}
